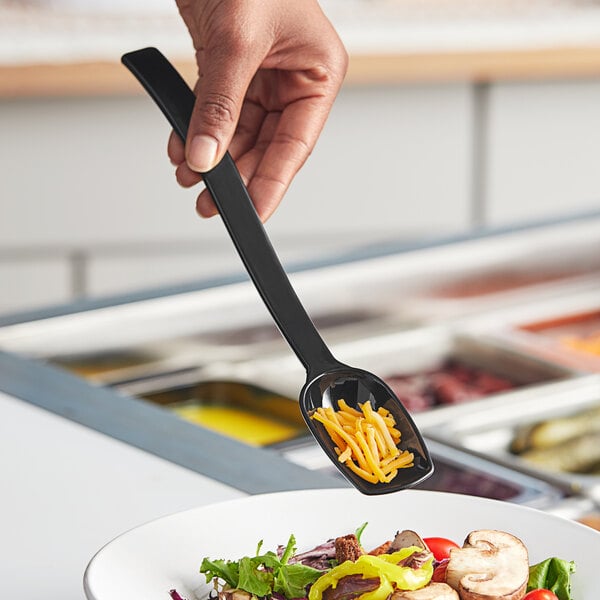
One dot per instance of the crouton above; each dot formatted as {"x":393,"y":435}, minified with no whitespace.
{"x":347,"y":548}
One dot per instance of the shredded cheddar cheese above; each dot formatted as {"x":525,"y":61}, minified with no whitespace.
{"x":366,"y":441}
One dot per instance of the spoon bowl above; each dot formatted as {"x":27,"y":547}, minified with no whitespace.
{"x":328,"y":380}
{"x":356,"y":386}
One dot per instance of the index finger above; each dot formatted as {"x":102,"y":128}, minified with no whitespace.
{"x":175,"y":149}
{"x":293,"y":141}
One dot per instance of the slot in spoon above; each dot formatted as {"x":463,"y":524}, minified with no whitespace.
{"x":327,"y":379}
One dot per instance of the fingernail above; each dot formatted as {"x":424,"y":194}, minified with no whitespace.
{"x":202,"y":153}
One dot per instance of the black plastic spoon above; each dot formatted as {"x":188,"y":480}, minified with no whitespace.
{"x":328,"y":380}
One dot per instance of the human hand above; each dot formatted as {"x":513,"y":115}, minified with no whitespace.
{"x":268,"y":74}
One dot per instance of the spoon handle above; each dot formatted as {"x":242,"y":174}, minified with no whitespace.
{"x":176,"y":100}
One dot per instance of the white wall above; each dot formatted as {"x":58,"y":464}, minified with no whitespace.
{"x":544,"y":150}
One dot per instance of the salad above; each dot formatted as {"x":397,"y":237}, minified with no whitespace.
{"x":490,"y":565}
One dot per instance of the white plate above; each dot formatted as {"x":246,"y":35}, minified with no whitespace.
{"x":146,"y":562}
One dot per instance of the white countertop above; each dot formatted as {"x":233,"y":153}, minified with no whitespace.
{"x":67,"y":490}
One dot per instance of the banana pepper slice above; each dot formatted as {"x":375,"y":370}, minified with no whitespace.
{"x":391,"y":575}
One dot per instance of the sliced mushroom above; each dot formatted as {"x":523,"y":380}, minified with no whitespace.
{"x":234,"y":594}
{"x":405,"y":539}
{"x":433,"y":591}
{"x":491,"y":565}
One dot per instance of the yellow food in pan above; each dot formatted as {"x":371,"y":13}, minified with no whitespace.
{"x":589,"y":343}
{"x":243,"y":425}
{"x":366,"y":441}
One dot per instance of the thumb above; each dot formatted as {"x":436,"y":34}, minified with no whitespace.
{"x":222,"y":85}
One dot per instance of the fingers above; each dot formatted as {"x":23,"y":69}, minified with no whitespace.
{"x":224,"y":81}
{"x":205,"y":206}
{"x":293,"y":141}
{"x":269,"y":161}
{"x":249,"y":125}
{"x":175,"y":149}
{"x":184,"y":175}
{"x":268,"y":166}
{"x":247,"y":151}
{"x":248,"y":129}
{"x":310,"y":79}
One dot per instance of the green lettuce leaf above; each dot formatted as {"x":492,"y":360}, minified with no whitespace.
{"x":290,"y":550}
{"x":264,"y":574}
{"x":228,"y":571}
{"x":553,"y":574}
{"x":291,"y":580}
{"x":253,"y":579}
{"x":360,"y":530}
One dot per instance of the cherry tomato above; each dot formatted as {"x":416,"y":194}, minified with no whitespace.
{"x":439,"y":573}
{"x":440,"y":547}
{"x":540,"y":595}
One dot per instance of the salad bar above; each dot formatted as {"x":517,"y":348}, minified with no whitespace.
{"x":489,"y":341}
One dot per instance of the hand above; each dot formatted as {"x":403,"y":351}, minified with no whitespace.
{"x":268,"y":73}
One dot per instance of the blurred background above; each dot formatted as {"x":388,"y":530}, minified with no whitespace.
{"x":455,"y":115}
